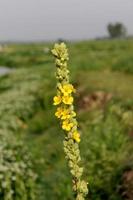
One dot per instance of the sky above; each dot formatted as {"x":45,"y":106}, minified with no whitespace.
{"x":34,"y":20}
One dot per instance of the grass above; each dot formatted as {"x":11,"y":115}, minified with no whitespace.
{"x":116,"y":83}
{"x":105,"y":145}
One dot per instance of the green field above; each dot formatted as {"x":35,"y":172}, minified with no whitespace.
{"x":102,"y":73}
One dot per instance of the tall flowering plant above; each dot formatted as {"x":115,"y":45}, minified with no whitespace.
{"x":67,"y":116}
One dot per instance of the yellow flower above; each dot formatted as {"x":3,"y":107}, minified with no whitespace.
{"x":67,"y":125}
{"x":67,"y":100}
{"x":65,"y":114}
{"x":58,"y":113}
{"x":67,"y":89}
{"x":57,"y":100}
{"x":76,"y":136}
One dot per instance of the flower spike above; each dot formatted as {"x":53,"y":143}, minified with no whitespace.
{"x":66,"y":114}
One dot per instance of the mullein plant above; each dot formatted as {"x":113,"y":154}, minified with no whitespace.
{"x":67,"y":116}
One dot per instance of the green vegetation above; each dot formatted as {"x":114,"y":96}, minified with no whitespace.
{"x":17,"y":179}
{"x":102,"y":74}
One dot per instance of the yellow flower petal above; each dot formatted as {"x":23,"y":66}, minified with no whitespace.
{"x":58,"y":113}
{"x":76,"y":136}
{"x":67,"y":125}
{"x":57,"y":100}
{"x":65,"y":114}
{"x":67,"y":89}
{"x":67,"y":100}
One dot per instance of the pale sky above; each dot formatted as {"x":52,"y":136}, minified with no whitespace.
{"x":68,"y":19}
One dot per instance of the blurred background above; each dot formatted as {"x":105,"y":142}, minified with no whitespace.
{"x":99,"y":36}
